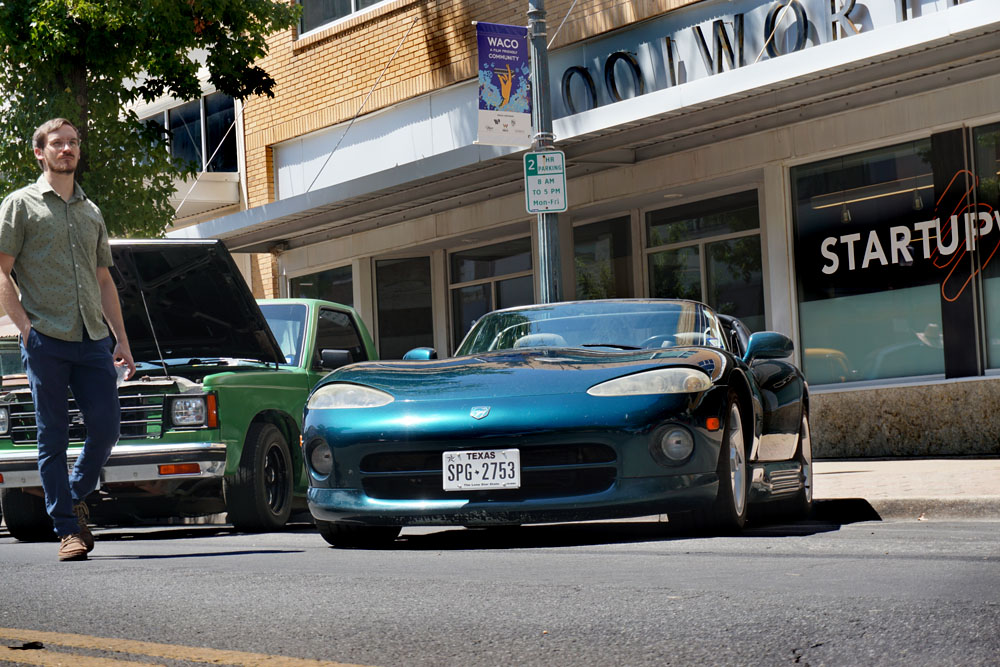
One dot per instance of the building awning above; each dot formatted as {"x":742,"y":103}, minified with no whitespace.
{"x":959,"y":45}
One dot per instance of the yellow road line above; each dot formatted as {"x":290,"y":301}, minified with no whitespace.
{"x":137,"y":648}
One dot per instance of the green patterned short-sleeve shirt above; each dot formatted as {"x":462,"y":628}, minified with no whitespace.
{"x":57,"y":246}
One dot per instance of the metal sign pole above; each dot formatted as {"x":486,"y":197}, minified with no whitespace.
{"x":548,"y":223}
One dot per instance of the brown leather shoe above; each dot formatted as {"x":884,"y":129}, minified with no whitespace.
{"x":82,"y":513}
{"x":72,"y":547}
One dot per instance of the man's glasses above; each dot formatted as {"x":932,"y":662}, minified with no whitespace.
{"x":59,"y":144}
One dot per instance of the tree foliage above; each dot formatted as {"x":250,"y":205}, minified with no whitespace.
{"x":88,"y":60}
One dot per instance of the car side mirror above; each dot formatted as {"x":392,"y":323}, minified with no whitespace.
{"x":768,"y":345}
{"x":334,"y":359}
{"x":421,"y":354}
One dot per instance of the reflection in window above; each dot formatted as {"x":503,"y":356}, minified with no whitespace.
{"x":709,"y":251}
{"x":335,"y":285}
{"x":185,"y":125}
{"x":403,"y":290}
{"x":602,"y":259}
{"x":220,"y":112}
{"x":185,"y":133}
{"x":488,"y":278}
{"x":862,"y":318}
{"x":986,"y":154}
{"x":287,"y":322}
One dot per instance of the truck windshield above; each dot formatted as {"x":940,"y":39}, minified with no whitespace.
{"x":287,"y":322}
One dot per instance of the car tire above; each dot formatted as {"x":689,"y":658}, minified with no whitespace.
{"x":259,"y":495}
{"x":352,"y":535}
{"x":26,"y":517}
{"x":732,"y":502}
{"x":799,"y":506}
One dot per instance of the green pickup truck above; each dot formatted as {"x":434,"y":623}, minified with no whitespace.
{"x":212,"y":418}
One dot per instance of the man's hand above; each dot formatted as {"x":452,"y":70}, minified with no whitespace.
{"x":123,"y":357}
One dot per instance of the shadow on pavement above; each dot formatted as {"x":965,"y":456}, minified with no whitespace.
{"x":827,"y":516}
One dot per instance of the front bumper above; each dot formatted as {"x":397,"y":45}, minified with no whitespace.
{"x":127,"y":463}
{"x":627,"y":497}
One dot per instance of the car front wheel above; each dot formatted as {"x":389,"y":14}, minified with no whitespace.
{"x":730,"y":512}
{"x":259,"y":495}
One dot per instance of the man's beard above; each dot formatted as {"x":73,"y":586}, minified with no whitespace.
{"x":62,"y":168}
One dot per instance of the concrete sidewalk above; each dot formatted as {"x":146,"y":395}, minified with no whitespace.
{"x":904,"y":488}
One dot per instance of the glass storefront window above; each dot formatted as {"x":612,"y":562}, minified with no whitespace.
{"x":405,"y":318}
{"x":735,"y":281}
{"x":602,"y":259}
{"x":986,"y":154}
{"x":488,"y":278}
{"x":869,"y":301}
{"x":335,"y":285}
{"x":709,"y":251}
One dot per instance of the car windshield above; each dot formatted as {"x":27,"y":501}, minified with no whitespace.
{"x":287,"y":322}
{"x":629,"y":325}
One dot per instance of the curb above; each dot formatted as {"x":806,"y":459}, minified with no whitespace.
{"x":851,"y":510}
{"x":984,"y":507}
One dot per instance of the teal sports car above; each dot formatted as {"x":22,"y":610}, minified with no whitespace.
{"x":563,"y":412}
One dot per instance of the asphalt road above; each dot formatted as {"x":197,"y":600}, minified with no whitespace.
{"x":623,"y":593}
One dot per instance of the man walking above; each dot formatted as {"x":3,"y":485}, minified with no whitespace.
{"x":55,"y":241}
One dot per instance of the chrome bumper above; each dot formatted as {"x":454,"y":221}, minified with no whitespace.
{"x":127,"y":463}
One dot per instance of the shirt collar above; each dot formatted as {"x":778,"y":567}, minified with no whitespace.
{"x":44,"y":186}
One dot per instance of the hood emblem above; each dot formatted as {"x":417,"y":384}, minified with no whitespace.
{"x":479,"y":411}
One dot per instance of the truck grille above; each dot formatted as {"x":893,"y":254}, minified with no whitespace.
{"x":142,"y":417}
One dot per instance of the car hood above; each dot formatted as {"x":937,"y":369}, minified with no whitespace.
{"x":519,"y":372}
{"x":193,"y":297}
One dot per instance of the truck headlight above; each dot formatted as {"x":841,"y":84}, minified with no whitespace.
{"x":189,"y":411}
{"x":4,"y":420}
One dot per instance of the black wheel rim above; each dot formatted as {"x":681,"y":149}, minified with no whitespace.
{"x":275,"y":479}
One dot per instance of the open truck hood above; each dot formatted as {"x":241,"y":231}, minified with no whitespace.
{"x":197,"y":302}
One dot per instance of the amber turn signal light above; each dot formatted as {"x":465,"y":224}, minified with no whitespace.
{"x":180,"y":469}
{"x":212,"y":418}
{"x":712,"y":423}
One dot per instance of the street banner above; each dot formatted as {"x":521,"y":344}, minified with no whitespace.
{"x":504,"y":88}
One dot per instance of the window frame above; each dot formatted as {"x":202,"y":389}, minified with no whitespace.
{"x":701,"y":243}
{"x":302,"y":32}
{"x":163,"y":118}
{"x":493,"y":281}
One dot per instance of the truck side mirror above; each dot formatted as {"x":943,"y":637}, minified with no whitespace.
{"x":334,"y":359}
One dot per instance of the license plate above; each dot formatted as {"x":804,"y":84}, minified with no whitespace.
{"x":481,"y":469}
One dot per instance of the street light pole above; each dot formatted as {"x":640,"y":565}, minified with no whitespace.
{"x":544,"y":140}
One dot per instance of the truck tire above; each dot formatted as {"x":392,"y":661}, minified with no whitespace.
{"x":259,"y":495}
{"x":26,"y":517}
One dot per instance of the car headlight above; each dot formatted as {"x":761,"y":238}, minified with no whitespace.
{"x":4,"y":421}
{"x":340,"y":395}
{"x":189,"y":411}
{"x":659,"y":381}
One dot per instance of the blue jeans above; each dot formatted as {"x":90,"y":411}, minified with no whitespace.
{"x":87,"y":368}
